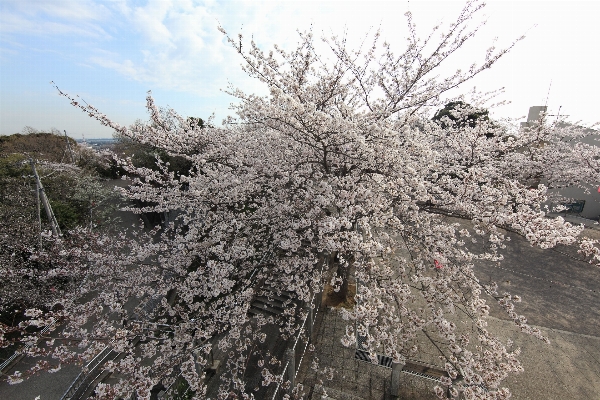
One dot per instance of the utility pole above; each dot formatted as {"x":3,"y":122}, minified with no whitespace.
{"x":39,"y":211}
{"x":40,"y":193}
{"x":69,"y":147}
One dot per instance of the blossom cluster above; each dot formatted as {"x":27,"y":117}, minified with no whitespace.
{"x":339,"y":159}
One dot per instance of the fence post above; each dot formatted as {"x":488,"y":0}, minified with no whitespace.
{"x":395,"y":386}
{"x":310,"y":321}
{"x":319,"y":301}
{"x":290,"y":356}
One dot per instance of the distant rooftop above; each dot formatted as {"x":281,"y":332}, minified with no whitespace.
{"x":534,"y":115}
{"x":99,"y":140}
{"x":100,"y":143}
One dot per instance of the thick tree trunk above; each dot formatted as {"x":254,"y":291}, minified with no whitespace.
{"x":343,"y":271}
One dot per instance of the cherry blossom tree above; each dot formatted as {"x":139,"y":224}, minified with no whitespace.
{"x":339,"y":158}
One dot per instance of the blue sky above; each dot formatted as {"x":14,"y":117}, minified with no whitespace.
{"x":111,"y":53}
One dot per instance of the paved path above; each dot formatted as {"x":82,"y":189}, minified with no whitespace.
{"x":351,"y":376}
{"x":557,"y":290}
{"x":568,"y":368}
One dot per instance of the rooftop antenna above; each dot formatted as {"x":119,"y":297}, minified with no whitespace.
{"x":557,"y":115}
{"x":548,"y":95}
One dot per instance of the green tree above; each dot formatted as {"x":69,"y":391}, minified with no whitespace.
{"x":48,"y":146}
{"x":458,"y":114}
{"x":146,"y":155}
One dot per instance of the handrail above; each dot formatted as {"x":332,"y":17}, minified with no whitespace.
{"x":278,"y":383}
{"x":294,"y":350}
{"x":306,"y":344}
{"x":85,"y":373}
{"x":313,"y":298}
{"x":201,"y":345}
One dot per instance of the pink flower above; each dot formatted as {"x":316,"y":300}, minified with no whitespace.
{"x":437,"y":264}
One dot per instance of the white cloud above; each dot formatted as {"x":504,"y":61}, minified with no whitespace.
{"x":149,"y":20}
{"x":71,"y":10}
{"x":75,"y":17}
{"x":13,"y":23}
{"x":177,"y":47}
{"x":126,"y":68}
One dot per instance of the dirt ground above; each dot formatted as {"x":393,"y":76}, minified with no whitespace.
{"x":336,"y":300}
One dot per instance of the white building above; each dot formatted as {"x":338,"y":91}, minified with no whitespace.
{"x":586,"y":205}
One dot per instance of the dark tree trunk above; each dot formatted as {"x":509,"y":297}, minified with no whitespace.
{"x":343,"y":271}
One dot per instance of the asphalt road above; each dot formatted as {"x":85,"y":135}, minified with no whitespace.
{"x":561,"y":297}
{"x":557,"y":290}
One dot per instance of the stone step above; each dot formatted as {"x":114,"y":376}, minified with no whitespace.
{"x":271,"y":301}
{"x":260,"y":301}
{"x":259,"y":308}
{"x":285,"y":296}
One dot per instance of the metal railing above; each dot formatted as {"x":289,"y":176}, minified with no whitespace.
{"x":410,"y":367}
{"x":295,"y":355}
{"x":166,"y":392}
{"x":92,"y":365}
{"x":93,"y":369}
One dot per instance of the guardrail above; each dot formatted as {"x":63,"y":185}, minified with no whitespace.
{"x":22,"y":351}
{"x":92,"y":372}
